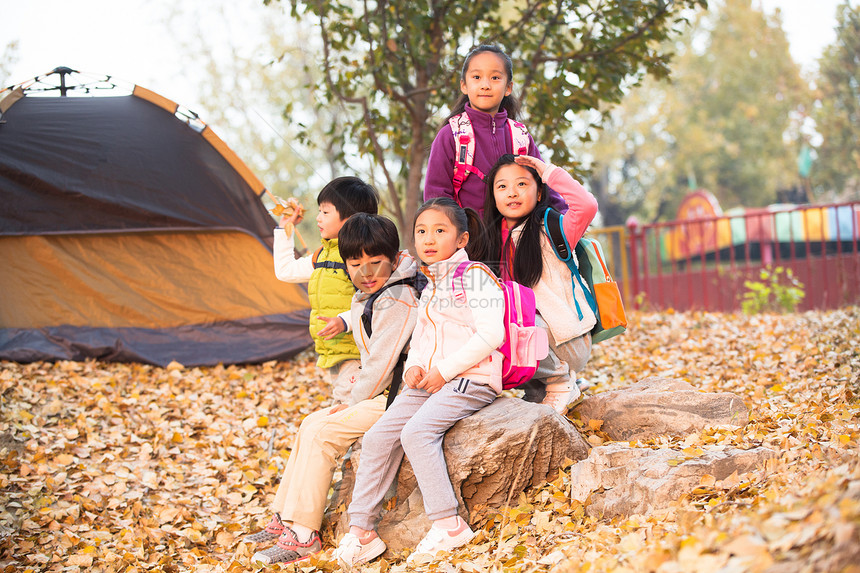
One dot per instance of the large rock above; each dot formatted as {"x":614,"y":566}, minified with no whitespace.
{"x":660,"y":406}
{"x":622,"y":480}
{"x":492,"y":456}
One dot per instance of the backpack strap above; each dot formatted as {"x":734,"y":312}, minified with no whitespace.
{"x":367,"y":314}
{"x":464,"y":152}
{"x":331,"y":265}
{"x":552,"y":224}
{"x":396,"y":379}
{"x":519,"y":137}
{"x":418,"y":282}
{"x":561,"y":248}
{"x":464,"y":148}
{"x":327,"y":264}
{"x":457,"y":279}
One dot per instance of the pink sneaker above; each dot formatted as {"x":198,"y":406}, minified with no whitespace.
{"x":562,"y":397}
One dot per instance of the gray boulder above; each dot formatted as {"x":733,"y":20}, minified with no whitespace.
{"x":620,"y":480}
{"x":661,"y":406}
{"x":511,"y":445}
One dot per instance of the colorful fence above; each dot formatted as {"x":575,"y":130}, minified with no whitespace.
{"x":613,"y":240}
{"x":702,"y":263}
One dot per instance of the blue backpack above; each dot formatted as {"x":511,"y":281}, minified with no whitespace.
{"x":592,"y":274}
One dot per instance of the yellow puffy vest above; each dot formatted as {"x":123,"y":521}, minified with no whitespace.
{"x":330,"y":292}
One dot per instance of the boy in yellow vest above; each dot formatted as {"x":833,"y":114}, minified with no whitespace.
{"x":329,"y":287}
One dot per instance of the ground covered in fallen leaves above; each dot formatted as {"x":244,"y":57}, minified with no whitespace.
{"x":128,"y":467}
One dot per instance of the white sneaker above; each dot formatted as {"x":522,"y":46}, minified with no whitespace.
{"x":351,"y":552}
{"x":438,"y":539}
{"x":561,"y":397}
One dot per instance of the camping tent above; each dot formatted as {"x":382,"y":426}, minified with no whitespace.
{"x":131,"y":233}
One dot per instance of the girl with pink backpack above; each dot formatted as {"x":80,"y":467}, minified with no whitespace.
{"x":519,"y":249}
{"x":453,"y":370}
{"x":481,"y":128}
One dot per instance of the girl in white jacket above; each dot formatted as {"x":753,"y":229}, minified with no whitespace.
{"x":453,"y":370}
{"x":519,"y":249}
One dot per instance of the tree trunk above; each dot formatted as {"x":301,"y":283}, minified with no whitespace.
{"x":611,"y":210}
{"x":414,"y":192}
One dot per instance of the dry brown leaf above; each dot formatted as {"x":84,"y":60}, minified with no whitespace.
{"x":129,"y":467}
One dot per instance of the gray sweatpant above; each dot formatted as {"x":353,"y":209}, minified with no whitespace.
{"x":414,"y":424}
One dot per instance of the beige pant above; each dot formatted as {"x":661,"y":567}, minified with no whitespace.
{"x":322,"y":438}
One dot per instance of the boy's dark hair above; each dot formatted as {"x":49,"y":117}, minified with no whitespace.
{"x":464,"y":220}
{"x":509,"y":103}
{"x":367,"y":234}
{"x":349,"y":195}
{"x":528,"y":258}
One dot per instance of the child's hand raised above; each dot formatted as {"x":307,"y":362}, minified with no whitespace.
{"x":533,"y":162}
{"x":413,"y":376}
{"x":292,"y":212}
{"x":432,"y":381}
{"x":334,"y":326}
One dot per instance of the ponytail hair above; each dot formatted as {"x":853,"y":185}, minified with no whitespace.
{"x":464,"y":220}
{"x":510,"y":103}
{"x":477,"y":245}
{"x":528,"y":256}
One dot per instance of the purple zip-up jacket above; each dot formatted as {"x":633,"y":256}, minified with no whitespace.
{"x":492,"y":140}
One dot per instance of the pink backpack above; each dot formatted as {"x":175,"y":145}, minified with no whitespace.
{"x":525,"y":344}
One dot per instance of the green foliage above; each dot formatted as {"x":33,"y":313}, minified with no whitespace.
{"x":777,"y":291}
{"x":721,"y":122}
{"x":253,"y":91}
{"x":837,"y":170}
{"x":396,"y":68}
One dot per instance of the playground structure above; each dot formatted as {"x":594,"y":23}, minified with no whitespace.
{"x":793,"y":231}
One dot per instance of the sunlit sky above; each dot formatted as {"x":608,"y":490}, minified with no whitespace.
{"x":129,"y":39}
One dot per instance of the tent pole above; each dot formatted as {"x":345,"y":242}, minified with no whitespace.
{"x":63,"y":71}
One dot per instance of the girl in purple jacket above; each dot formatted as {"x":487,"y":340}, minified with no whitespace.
{"x":488,"y":110}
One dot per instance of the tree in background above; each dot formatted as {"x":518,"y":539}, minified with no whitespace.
{"x":837,"y":171}
{"x":629,"y":158}
{"x":396,"y":66}
{"x":746,"y":90}
{"x":726,"y":121}
{"x":253,"y":68}
{"x":8,"y":58}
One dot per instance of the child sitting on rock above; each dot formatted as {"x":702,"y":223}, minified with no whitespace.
{"x":454,"y":369}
